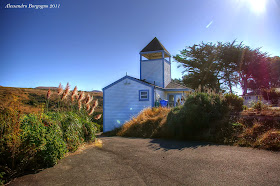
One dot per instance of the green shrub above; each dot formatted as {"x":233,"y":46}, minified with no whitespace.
{"x":271,"y":95}
{"x":235,"y":103}
{"x":89,"y":129}
{"x":72,"y":131}
{"x":55,"y":146}
{"x":258,"y":105}
{"x":44,"y":140}
{"x":200,"y":111}
{"x":36,"y":141}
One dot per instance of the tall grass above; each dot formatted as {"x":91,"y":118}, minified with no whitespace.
{"x":147,"y":124}
{"x":29,"y":142}
{"x":264,"y":134}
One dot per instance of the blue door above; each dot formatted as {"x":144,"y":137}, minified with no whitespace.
{"x":173,"y":99}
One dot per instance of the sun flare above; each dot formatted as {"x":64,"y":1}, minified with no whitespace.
{"x":257,"y":6}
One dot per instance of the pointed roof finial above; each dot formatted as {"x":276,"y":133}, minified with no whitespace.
{"x":154,"y":50}
{"x":154,"y":45}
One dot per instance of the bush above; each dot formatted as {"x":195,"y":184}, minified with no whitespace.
{"x":200,"y":112}
{"x":89,"y":130}
{"x":55,"y":146}
{"x":234,"y":102}
{"x":35,"y":141}
{"x":258,"y":105}
{"x":72,"y":131}
{"x":271,"y":95}
{"x":44,"y":138}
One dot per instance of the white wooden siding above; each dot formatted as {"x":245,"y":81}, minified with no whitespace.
{"x":167,"y":75}
{"x":249,"y":100}
{"x":161,"y":94}
{"x":121,"y":103}
{"x":151,"y":71}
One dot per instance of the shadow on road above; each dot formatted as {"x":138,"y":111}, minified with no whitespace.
{"x":161,"y":144}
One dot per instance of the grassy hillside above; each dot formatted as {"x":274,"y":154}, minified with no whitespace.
{"x":31,"y":100}
{"x":38,"y":127}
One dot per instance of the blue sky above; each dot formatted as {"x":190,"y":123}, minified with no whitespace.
{"x":92,"y":43}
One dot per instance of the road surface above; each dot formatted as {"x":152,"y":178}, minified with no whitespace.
{"x":134,"y":161}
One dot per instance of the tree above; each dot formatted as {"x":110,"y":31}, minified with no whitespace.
{"x":253,"y":71}
{"x":225,"y":65}
{"x":178,"y":81}
{"x":274,"y":68}
{"x":200,"y":63}
{"x":271,"y":95}
{"x":229,"y":57}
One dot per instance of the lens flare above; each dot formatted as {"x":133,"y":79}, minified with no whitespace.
{"x":257,"y":6}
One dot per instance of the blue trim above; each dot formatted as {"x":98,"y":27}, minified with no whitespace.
{"x":131,"y":78}
{"x":149,"y":52}
{"x":167,"y":61}
{"x":170,"y":66}
{"x":144,"y":99}
{"x":140,"y":66}
{"x":160,"y":88}
{"x":167,"y":53}
{"x":156,"y":51}
{"x":103,"y":110}
{"x":151,"y":60}
{"x":163,"y":69}
{"x":179,"y":89}
{"x":153,"y":97}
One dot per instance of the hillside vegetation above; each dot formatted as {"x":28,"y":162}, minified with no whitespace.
{"x":38,"y":127}
{"x":31,"y":100}
{"x":205,"y":117}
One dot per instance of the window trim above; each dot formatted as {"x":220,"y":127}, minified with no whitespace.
{"x":143,"y":99}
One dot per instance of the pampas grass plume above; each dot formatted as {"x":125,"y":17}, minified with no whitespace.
{"x":74,"y":93}
{"x":95,"y":103}
{"x":81,"y":97}
{"x":66,"y":91}
{"x":59,"y":89}
{"x":49,"y":94}
{"x":88,"y":99}
{"x":98,"y":116}
{"x":91,"y":111}
{"x":87,"y":107}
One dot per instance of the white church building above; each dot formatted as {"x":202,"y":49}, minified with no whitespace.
{"x":126,"y":97}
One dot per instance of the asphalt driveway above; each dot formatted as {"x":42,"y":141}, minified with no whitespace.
{"x":133,"y":161}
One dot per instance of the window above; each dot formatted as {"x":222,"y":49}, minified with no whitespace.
{"x":143,"y":95}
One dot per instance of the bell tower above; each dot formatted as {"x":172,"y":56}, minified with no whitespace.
{"x":155,"y":64}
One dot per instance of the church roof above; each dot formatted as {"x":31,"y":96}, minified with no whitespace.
{"x":155,"y":45}
{"x":170,"y":87}
{"x":173,"y":85}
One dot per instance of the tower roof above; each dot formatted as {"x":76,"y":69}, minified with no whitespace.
{"x":154,"y":45}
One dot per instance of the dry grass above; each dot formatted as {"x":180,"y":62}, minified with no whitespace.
{"x":262,"y":134}
{"x":269,"y":111}
{"x":147,"y":124}
{"x":33,"y":100}
{"x":269,"y":140}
